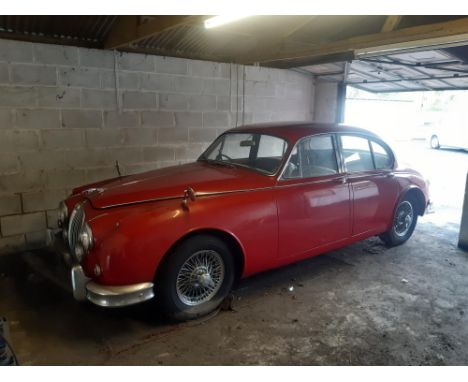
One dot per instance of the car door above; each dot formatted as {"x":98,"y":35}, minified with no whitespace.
{"x":313,"y":198}
{"x":374,"y":191}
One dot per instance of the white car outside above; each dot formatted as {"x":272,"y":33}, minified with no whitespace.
{"x":450,"y":132}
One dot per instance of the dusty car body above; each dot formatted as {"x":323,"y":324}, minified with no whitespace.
{"x":260,"y":197}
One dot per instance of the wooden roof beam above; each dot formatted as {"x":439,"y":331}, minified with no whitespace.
{"x":391,"y":23}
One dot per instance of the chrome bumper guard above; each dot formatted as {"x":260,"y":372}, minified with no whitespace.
{"x":102,"y":295}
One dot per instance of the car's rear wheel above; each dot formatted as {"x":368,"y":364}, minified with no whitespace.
{"x":435,"y":142}
{"x":196,"y":277}
{"x":404,"y":222}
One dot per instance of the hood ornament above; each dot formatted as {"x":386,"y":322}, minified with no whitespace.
{"x":93,"y":190}
{"x":189,"y":194}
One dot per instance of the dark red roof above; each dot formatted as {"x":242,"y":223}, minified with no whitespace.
{"x":292,"y":131}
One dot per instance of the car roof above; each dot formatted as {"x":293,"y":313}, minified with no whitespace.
{"x":293,"y":131}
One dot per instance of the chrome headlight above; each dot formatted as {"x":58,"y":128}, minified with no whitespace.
{"x":84,"y":243}
{"x":86,"y":238}
{"x":62,"y":214}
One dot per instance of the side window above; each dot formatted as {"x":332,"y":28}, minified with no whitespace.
{"x":312,"y":156}
{"x":356,"y":153}
{"x":382,"y":158}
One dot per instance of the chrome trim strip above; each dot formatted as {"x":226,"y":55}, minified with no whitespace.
{"x":116,"y":296}
{"x":215,"y":193}
{"x":341,"y":177}
{"x":141,"y":202}
{"x":201,"y":194}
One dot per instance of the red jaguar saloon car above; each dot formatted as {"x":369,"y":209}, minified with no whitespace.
{"x":259,"y":197}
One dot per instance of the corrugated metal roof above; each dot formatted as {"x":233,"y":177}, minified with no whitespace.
{"x":90,"y":30}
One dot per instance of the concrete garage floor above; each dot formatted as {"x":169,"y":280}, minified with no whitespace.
{"x":361,"y":305}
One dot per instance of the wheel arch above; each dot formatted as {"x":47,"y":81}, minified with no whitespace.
{"x":418,"y":196}
{"x":231,"y":241}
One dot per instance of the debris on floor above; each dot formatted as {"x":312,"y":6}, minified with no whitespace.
{"x":374,"y":248}
{"x":450,"y":263}
{"x":227,"y":304}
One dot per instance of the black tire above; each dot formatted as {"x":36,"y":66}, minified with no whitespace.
{"x":396,"y":235}
{"x":167,"y":292}
{"x":434,"y":142}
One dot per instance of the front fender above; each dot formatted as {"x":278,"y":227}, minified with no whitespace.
{"x":131,"y":241}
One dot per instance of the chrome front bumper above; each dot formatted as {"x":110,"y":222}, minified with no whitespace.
{"x":103,"y":295}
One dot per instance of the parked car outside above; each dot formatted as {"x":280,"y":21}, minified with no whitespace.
{"x":259,"y":197}
{"x":450,"y":132}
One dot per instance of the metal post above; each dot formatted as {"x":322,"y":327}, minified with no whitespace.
{"x":341,"y":95}
{"x":340,"y":102}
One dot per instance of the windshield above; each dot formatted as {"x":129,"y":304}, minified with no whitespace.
{"x":259,"y":152}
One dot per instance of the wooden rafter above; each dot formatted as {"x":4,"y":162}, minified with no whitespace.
{"x":391,"y":23}
{"x":419,"y":33}
{"x":128,"y":30}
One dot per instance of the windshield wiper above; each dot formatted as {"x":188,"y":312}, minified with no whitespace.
{"x":218,"y":163}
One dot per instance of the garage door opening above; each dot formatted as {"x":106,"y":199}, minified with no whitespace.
{"x":429,"y":132}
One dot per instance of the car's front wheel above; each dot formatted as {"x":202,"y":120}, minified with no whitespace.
{"x":404,"y":222}
{"x":196,"y":277}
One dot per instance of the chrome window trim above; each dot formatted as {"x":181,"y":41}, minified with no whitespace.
{"x":387,"y":150}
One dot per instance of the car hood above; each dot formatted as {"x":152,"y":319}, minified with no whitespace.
{"x":171,"y":182}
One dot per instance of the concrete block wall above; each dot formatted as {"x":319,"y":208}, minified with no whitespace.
{"x":67,"y":114}
{"x":326,"y":102}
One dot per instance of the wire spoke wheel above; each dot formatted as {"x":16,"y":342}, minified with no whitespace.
{"x":404,"y":216}
{"x":200,"y":277}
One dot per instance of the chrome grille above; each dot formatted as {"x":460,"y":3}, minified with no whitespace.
{"x":75,"y":224}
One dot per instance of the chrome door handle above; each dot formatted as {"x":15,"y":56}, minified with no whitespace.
{"x":341,"y":180}
{"x":390,"y":174}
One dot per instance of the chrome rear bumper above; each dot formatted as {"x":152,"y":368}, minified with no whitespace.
{"x":103,"y":295}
